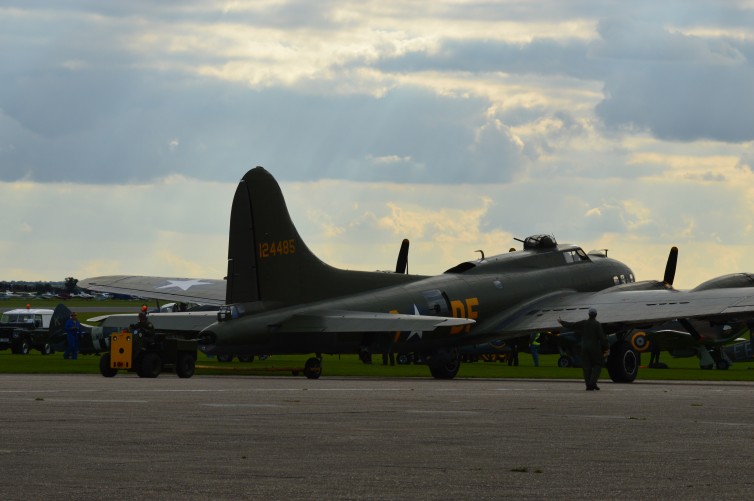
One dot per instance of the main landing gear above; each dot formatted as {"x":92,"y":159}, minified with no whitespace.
{"x":623,"y":362}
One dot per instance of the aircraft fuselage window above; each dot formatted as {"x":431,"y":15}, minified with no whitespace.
{"x":575,"y":256}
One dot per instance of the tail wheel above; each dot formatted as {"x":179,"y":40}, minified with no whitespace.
{"x":403,"y":359}
{"x":640,"y":342}
{"x":313,"y":368}
{"x":623,"y":363}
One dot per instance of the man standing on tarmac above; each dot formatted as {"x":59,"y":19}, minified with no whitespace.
{"x":594,"y":347}
{"x":72,"y":330}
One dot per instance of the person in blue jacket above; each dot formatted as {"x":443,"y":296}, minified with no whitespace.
{"x":73,"y":331}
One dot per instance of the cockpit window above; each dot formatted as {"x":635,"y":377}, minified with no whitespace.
{"x":575,"y":256}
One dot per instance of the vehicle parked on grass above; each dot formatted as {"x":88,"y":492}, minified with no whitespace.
{"x":25,"y":329}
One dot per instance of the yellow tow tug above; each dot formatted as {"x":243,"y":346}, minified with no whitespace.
{"x":149,"y":355}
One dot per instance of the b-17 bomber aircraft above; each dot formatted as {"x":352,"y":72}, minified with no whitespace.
{"x":279,"y":298}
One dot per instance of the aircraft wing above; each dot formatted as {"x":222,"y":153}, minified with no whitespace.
{"x":184,"y":290}
{"x":640,"y":308}
{"x":358,"y":321}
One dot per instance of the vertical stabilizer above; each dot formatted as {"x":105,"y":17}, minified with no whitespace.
{"x":267,"y":260}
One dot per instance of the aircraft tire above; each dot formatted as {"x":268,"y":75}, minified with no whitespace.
{"x":150,"y":365}
{"x":46,"y":349}
{"x":104,"y":366}
{"x":185,"y":365}
{"x":403,"y":359}
{"x":564,"y":361}
{"x":446,"y":370}
{"x":722,"y":365}
{"x":623,"y":363}
{"x":225,"y":358}
{"x":246,"y":358}
{"x":313,"y":368}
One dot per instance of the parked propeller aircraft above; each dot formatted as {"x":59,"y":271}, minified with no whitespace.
{"x":279,"y":298}
{"x":741,"y":351}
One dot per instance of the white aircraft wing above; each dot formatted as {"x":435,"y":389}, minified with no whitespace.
{"x":186,"y":290}
{"x":630,"y":308}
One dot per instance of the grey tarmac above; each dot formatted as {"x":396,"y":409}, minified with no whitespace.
{"x":220,"y":437}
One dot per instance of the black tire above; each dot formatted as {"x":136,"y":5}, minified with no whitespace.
{"x":185,"y":365}
{"x":225,"y":358}
{"x":104,"y":366}
{"x":403,"y":359}
{"x":447,"y":370}
{"x":722,"y":365}
{"x":313,"y":368}
{"x":564,"y":361}
{"x":46,"y":349}
{"x":623,"y":363}
{"x":150,"y":365}
{"x":21,"y":347}
{"x":246,"y":358}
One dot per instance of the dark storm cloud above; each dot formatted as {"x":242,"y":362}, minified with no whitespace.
{"x":677,"y":86}
{"x":541,"y":56}
{"x":121,"y":127}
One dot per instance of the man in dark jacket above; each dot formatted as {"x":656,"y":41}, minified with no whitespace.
{"x":594,"y":347}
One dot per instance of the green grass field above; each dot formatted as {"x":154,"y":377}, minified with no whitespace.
{"x":348,"y":365}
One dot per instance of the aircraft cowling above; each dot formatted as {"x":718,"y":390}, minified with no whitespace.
{"x":644,"y":285}
{"x":732,"y":281}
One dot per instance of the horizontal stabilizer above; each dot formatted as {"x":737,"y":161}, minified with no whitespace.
{"x":358,"y":321}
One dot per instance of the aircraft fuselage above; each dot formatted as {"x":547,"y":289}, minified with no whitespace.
{"x":487,"y":291}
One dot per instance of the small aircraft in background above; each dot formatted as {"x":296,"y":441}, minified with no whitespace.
{"x":741,"y":351}
{"x":279,"y":298}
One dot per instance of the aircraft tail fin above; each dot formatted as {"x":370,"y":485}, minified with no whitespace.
{"x":58,"y":337}
{"x":268,"y":260}
{"x":60,"y":315}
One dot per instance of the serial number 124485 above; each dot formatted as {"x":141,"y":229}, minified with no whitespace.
{"x":277,"y":248}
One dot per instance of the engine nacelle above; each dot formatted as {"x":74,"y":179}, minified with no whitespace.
{"x":734,"y":280}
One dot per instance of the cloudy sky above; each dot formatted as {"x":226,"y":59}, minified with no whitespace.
{"x":125,"y":126}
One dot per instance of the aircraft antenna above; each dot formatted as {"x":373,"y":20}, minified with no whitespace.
{"x":480,"y":251}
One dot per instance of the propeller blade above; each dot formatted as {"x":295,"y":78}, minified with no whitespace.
{"x":670,"y":266}
{"x":401,"y":266}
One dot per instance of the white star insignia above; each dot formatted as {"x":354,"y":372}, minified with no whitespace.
{"x":415,"y":333}
{"x":184,"y":285}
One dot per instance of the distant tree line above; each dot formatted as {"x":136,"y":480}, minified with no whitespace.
{"x":68,"y":285}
